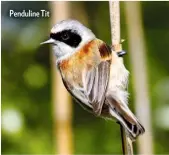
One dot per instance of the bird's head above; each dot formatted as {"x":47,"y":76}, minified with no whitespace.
{"x":69,"y":36}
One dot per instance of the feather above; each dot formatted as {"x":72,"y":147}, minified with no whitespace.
{"x":95,"y":85}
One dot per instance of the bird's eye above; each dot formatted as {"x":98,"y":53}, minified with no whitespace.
{"x":65,"y":36}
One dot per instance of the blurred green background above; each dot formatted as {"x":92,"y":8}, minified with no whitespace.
{"x":27,"y":116}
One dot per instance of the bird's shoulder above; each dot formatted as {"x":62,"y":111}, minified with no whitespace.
{"x":90,"y":55}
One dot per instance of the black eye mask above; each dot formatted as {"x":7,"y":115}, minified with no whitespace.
{"x":69,"y":37}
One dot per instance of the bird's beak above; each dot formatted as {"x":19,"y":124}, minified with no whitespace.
{"x":50,"y":41}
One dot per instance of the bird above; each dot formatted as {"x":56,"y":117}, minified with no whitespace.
{"x":93,"y":74}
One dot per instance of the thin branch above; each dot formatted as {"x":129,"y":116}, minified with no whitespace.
{"x":115,"y":33}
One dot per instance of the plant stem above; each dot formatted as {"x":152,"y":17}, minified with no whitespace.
{"x":115,"y":33}
{"x":62,"y":108}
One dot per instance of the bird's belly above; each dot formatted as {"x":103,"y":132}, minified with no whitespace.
{"x":118,"y":82}
{"x":118,"y":75}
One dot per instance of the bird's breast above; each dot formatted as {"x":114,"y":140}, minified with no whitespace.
{"x":72,"y":68}
{"x":87,"y":58}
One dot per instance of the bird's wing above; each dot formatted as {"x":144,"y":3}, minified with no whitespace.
{"x":90,"y":67}
{"x":95,"y":80}
{"x":78,"y":95}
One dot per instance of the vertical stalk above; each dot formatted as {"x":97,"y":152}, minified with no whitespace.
{"x":62,"y":108}
{"x":139,"y":72}
{"x":115,"y":33}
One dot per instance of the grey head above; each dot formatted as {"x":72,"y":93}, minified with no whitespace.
{"x":67,"y":37}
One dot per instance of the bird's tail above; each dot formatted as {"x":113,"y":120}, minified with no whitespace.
{"x":127,"y":119}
